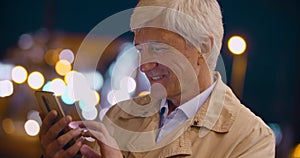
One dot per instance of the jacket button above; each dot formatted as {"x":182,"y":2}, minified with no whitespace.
{"x":196,"y":122}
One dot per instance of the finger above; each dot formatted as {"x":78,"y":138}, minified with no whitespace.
{"x":73,"y":150}
{"x":94,"y":134}
{"x":94,"y":125}
{"x":102,"y":139}
{"x":42,"y":116}
{"x":76,"y":124}
{"x":88,"y":152}
{"x":55,"y":129}
{"x":48,"y":121}
{"x":61,"y":141}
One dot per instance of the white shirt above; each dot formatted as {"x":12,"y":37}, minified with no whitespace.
{"x":181,"y":113}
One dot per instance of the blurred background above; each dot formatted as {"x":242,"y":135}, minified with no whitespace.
{"x":39,"y":40}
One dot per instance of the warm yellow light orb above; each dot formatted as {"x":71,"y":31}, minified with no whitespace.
{"x":35,"y":80}
{"x":237,"y":45}
{"x":143,"y":93}
{"x":296,"y":152}
{"x":19,"y":74}
{"x":62,"y":67}
{"x":97,"y":97}
{"x":8,"y":126}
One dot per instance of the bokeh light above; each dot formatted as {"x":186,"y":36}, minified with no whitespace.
{"x":57,"y":86}
{"x":277,"y":132}
{"x":102,"y":113}
{"x":19,"y":74}
{"x":237,"y":45}
{"x":46,"y":86}
{"x":69,"y":77}
{"x":115,"y":96}
{"x":52,"y":56}
{"x":95,"y":79}
{"x":62,"y":67}
{"x":68,"y":96}
{"x":89,"y":98}
{"x":143,"y":93}
{"x":111,"y":98}
{"x":32,"y":127}
{"x":128,"y":83}
{"x":80,"y":87}
{"x":81,"y":104}
{"x":111,"y":68}
{"x":5,"y":71}
{"x":66,"y":54}
{"x":35,"y":80}
{"x":296,"y":153}
{"x":6,"y":88}
{"x":25,"y":41}
{"x":8,"y":126}
{"x":34,"y":115}
{"x":89,"y":113}
{"x":97,"y":95}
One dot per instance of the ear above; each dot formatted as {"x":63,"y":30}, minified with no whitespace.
{"x":207,"y":45}
{"x":200,"y":59}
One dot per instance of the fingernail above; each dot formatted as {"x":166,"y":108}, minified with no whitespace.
{"x":54,"y":112}
{"x":69,"y":118}
{"x":72,"y":125}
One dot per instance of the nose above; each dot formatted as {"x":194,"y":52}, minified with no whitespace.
{"x":148,"y":66}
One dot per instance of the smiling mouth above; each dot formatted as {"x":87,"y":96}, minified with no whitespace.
{"x":157,"y":78}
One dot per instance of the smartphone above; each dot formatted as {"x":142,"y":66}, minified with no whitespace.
{"x":47,"y":102}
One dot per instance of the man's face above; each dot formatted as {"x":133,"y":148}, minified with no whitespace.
{"x":166,"y":59}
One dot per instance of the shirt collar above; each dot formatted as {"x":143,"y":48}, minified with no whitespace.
{"x":191,"y":107}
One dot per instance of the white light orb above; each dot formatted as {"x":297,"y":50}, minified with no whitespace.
{"x":35,"y":80}
{"x":19,"y":74}
{"x":89,"y":113}
{"x":128,"y":83}
{"x":6,"y":88}
{"x":25,"y":41}
{"x":68,"y":96}
{"x":95,"y":79}
{"x":32,"y":127}
{"x":57,"y":86}
{"x":237,"y":45}
{"x":66,"y":54}
{"x":34,"y":115}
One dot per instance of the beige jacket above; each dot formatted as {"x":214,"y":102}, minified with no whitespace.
{"x":222,"y":128}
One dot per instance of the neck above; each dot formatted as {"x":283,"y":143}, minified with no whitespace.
{"x":186,"y":95}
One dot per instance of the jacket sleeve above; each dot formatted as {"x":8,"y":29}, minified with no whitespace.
{"x":260,"y":143}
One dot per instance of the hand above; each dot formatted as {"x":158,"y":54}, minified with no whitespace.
{"x":97,"y":130}
{"x":52,"y":144}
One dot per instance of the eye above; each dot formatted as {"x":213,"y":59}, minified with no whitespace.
{"x":160,"y":48}
{"x":138,"y":48}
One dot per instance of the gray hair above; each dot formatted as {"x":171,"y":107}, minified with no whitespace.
{"x":194,"y":20}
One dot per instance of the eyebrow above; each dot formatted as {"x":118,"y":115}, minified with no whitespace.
{"x":150,"y":42}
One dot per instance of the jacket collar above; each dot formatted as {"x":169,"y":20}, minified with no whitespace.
{"x":216,"y":114}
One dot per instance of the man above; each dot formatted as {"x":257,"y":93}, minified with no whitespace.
{"x":190,"y":112}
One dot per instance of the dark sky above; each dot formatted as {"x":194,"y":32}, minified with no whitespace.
{"x":271,"y":28}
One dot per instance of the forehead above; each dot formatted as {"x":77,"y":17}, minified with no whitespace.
{"x":146,"y":35}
